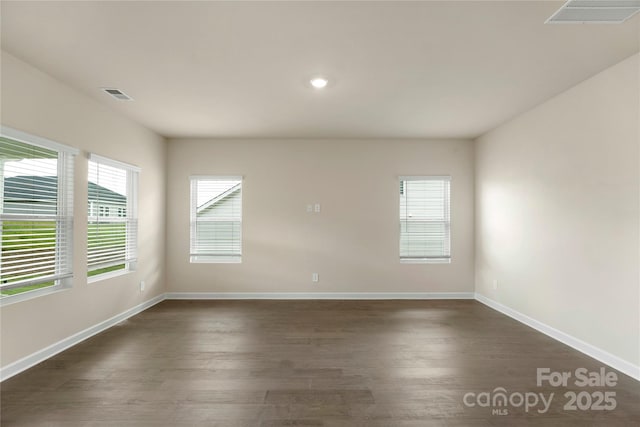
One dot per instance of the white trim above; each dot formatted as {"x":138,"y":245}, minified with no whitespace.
{"x":319,"y":295}
{"x":573,"y":342}
{"x":424,"y":178}
{"x":114,"y":163}
{"x":110,"y":274}
{"x":215,"y":259}
{"x":25,"y":296}
{"x":446,"y":260}
{"x":217,"y":177}
{"x":25,"y":137}
{"x":41,"y":355}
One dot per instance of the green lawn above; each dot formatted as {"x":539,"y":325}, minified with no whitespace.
{"x":23,"y":241}
{"x":106,"y":270}
{"x":19,"y":235}
{"x":22,"y":289}
{"x":106,"y":236}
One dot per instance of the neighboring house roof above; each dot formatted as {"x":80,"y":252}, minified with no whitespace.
{"x":44,"y":187}
{"x":97,"y":192}
{"x":219,"y":198}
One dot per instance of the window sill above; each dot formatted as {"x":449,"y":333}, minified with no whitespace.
{"x":12,"y":299}
{"x":110,"y":275}
{"x":212,"y":259}
{"x":425,"y":260}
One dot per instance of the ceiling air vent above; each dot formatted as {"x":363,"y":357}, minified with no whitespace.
{"x":595,"y":12}
{"x":117,"y":94}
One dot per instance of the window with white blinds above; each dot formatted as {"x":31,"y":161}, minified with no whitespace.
{"x":216,"y":219}
{"x":425,"y":226}
{"x":112,"y":226}
{"x":36,"y":214}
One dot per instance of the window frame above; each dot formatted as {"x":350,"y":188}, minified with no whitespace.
{"x":210,"y":258}
{"x":445,"y":259}
{"x":64,"y":206}
{"x":104,"y":215}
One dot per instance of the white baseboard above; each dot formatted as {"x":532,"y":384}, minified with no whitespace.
{"x":320,"y":295}
{"x":44,"y":354}
{"x":573,"y":342}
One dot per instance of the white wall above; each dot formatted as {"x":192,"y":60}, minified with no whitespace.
{"x":557,"y":215}
{"x":36,"y":103}
{"x":352,"y":243}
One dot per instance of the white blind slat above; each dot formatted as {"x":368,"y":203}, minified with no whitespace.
{"x":216,"y":219}
{"x":425,"y":226}
{"x":36,"y":222}
{"x":112,"y":216}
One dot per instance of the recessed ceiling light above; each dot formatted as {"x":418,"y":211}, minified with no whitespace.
{"x":319,"y":82}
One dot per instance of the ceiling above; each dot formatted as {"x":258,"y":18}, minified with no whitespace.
{"x":433,"y":69}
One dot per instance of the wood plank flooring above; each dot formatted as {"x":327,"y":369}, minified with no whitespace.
{"x":306,"y":363}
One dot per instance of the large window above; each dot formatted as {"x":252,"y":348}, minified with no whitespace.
{"x":216,"y":219}
{"x":425,"y":228}
{"x":36,"y":214}
{"x":112,"y":217}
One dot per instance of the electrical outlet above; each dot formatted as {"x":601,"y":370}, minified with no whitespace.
{"x":315,"y":277}
{"x":142,"y":284}
{"x":316,"y":208}
{"x":495,"y":284}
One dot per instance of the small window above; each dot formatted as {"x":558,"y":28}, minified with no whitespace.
{"x":112,"y":233}
{"x":216,"y":219}
{"x":36,"y":215}
{"x":425,"y":228}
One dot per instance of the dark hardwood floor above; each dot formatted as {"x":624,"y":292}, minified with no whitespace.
{"x":308,"y":363}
